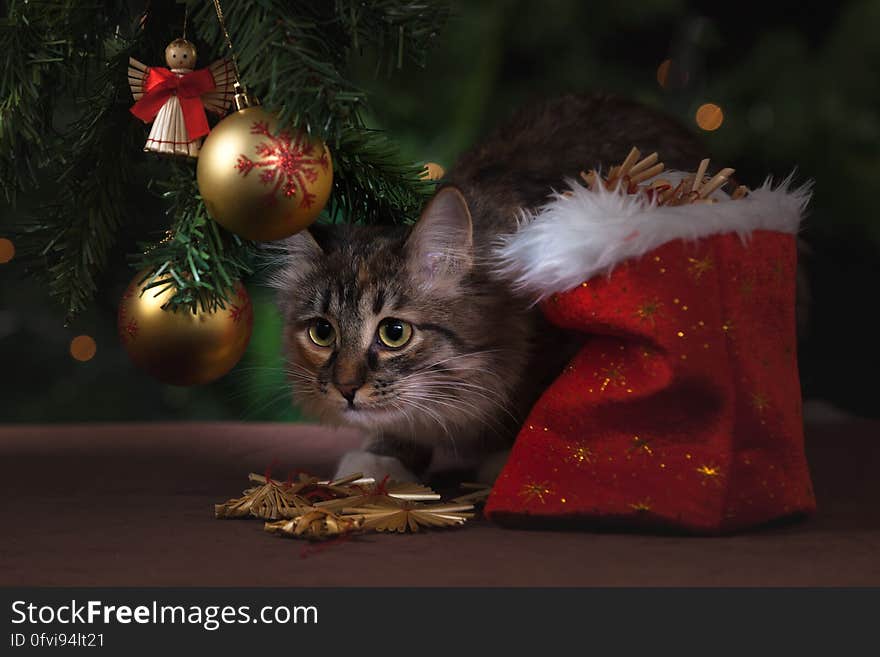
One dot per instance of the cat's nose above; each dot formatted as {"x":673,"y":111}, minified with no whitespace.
{"x":348,"y":390}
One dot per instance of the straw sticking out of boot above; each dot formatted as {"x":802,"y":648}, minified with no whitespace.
{"x":636,"y":175}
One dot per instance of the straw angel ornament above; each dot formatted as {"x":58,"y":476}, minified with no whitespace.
{"x":175,"y":98}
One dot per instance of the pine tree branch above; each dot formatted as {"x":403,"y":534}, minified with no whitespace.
{"x":73,"y":234}
{"x":295,"y":55}
{"x":30,"y":57}
{"x":287,"y":60}
{"x":50,"y":49}
{"x":203,"y":260}
{"x":371,"y":184}
{"x":91,"y":174}
{"x":393,"y":30}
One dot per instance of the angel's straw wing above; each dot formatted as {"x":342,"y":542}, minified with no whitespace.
{"x":137,"y":76}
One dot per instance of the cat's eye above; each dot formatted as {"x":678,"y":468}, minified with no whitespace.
{"x":394,"y":333}
{"x":322,"y":333}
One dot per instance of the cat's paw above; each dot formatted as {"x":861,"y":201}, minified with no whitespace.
{"x":373,"y":465}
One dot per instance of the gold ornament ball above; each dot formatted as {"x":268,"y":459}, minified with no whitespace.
{"x":181,"y":347}
{"x":259,"y":183}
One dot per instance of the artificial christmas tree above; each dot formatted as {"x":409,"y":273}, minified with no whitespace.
{"x":293,"y":56}
{"x":91,"y":172}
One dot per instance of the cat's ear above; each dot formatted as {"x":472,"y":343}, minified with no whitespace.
{"x":440,"y":246}
{"x":292,"y":258}
{"x":301,"y":246}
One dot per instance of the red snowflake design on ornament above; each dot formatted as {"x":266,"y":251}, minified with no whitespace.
{"x":236,"y":312}
{"x":287,"y":162}
{"x":128,"y":331}
{"x":242,"y":309}
{"x":127,"y":326}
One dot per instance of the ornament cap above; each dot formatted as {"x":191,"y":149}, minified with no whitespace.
{"x":242,"y":98}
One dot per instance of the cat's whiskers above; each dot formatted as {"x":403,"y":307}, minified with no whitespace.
{"x":301,"y":376}
{"x":256,"y":368}
{"x":444,"y":376}
{"x":460,"y":391}
{"x":492,"y":396}
{"x":407,"y":414}
{"x":471,"y":413}
{"x":302,"y":379}
{"x":437,"y":386}
{"x":298,"y":368}
{"x":437,"y":418}
{"x":251,"y":412}
{"x":433,"y":367}
{"x":448,"y":376}
{"x":442,"y":361}
{"x":481,"y":412}
{"x":459,"y":401}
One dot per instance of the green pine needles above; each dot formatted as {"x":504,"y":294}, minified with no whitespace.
{"x":71,"y":157}
{"x":197,"y":254}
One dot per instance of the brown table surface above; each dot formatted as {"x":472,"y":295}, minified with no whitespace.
{"x":132,"y":505}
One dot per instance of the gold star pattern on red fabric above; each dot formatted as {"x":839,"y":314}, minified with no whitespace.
{"x":760,"y":402}
{"x":531,"y":491}
{"x":699,"y":266}
{"x":710,"y":473}
{"x":578,"y":454}
{"x":647,"y":311}
{"x":655,"y":330}
{"x":612,"y":374}
{"x":641,"y":445}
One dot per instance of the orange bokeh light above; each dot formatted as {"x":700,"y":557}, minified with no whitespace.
{"x":709,"y":116}
{"x":663,"y":72}
{"x":7,"y":250}
{"x":83,"y":348}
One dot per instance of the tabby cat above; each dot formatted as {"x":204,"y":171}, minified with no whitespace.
{"x":406,"y":332}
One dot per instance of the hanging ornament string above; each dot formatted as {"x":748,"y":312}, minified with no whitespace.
{"x":240,"y":92}
{"x":259,"y":179}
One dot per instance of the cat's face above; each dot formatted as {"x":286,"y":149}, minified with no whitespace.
{"x":381,"y":328}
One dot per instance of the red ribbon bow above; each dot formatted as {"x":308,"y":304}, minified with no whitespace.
{"x":162,"y":83}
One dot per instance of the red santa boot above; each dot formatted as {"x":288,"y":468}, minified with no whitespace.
{"x":683,"y":407}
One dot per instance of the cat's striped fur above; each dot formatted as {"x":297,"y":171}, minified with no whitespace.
{"x":478,"y":356}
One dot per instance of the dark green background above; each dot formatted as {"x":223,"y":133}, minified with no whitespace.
{"x":799,"y":85}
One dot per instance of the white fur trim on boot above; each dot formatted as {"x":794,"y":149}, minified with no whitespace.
{"x":584,"y":232}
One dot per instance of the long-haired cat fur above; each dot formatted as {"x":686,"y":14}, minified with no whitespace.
{"x":406,"y":332}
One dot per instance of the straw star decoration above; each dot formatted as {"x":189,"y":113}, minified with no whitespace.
{"x":318,"y":510}
{"x":270,"y":501}
{"x":410,"y":516}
